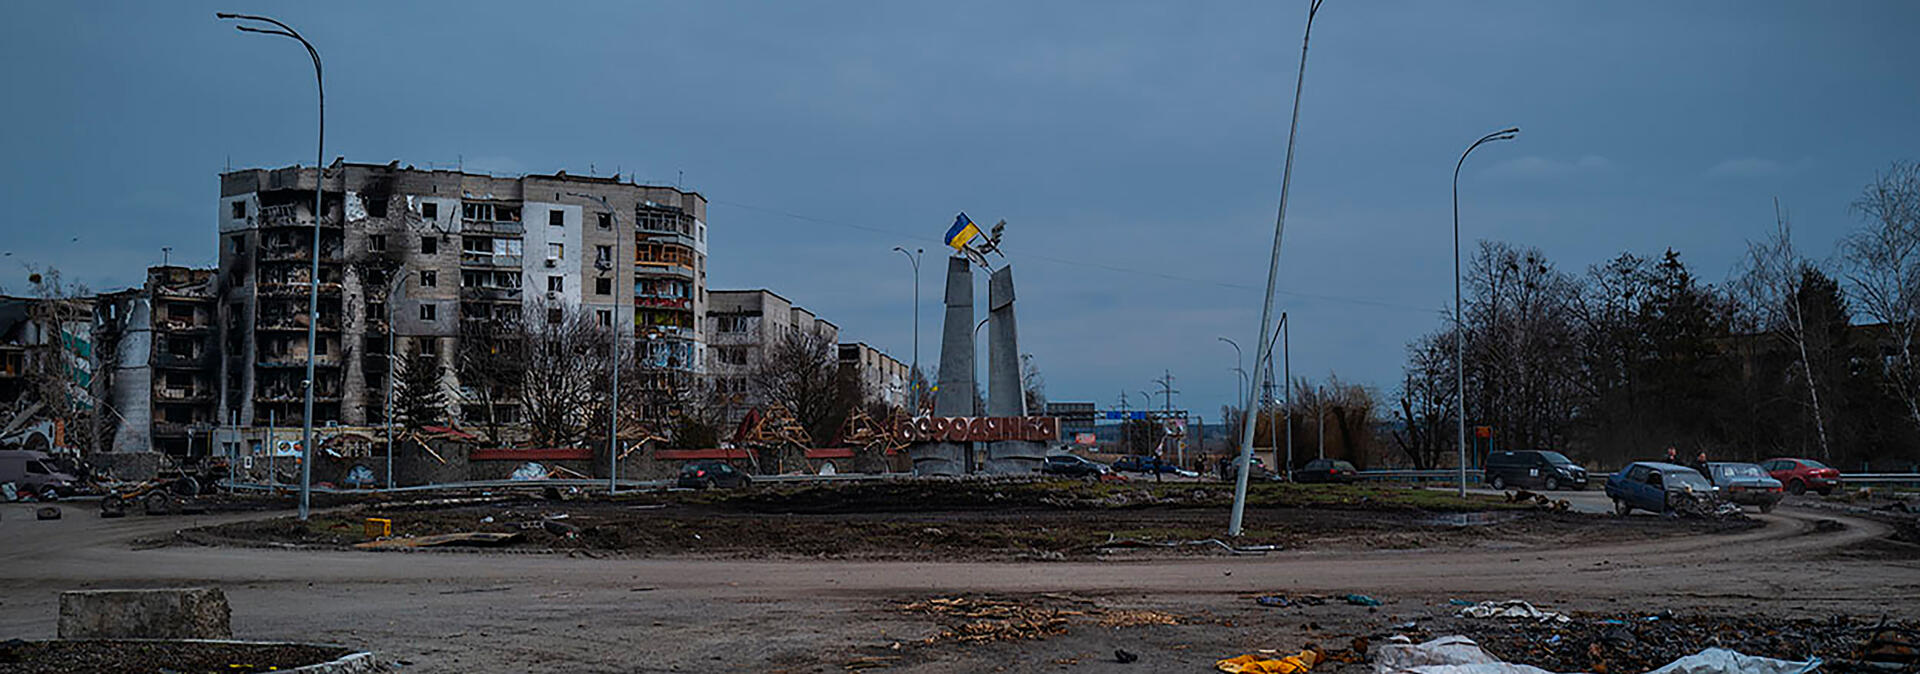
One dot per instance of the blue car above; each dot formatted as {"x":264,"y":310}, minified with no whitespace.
{"x":1656,"y":487}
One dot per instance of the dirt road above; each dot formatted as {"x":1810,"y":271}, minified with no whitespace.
{"x":528,"y":612}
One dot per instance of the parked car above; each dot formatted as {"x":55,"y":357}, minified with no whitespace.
{"x":1071,"y":465}
{"x":1148,"y":464}
{"x":1800,"y":475}
{"x":35,"y":473}
{"x":1745,"y":484}
{"x":1327,"y":470}
{"x":1229,"y":469}
{"x":711,"y":474}
{"x":1534,"y":469}
{"x":1656,"y":487}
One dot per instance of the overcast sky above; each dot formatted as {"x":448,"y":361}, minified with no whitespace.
{"x":1134,"y":148}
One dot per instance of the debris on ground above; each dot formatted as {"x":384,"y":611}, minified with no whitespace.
{"x":1114,"y":542}
{"x":47,"y":513}
{"x":988,"y":619}
{"x":1513,"y":608}
{"x":1284,"y":601}
{"x":1136,"y":618}
{"x":1723,"y":661}
{"x":1541,"y":501}
{"x":1638,"y":642}
{"x":1265,"y":662}
{"x":1361,"y":600}
{"x":1124,"y":656}
{"x":470,"y":538}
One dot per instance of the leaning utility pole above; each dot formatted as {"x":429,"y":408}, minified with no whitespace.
{"x":1273,"y":277}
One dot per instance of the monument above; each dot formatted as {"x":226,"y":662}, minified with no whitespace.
{"x":1014,"y":442}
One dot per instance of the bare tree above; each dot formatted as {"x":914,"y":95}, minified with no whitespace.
{"x":1033,"y":386}
{"x":1883,"y":269}
{"x":1426,"y":401}
{"x":801,"y":371}
{"x":492,"y":362}
{"x":565,"y":382}
{"x":1768,"y":285}
{"x":420,"y":397}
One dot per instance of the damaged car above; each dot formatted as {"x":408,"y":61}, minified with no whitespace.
{"x":1745,"y":484}
{"x":1662,"y":488}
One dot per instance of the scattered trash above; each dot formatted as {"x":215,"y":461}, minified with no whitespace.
{"x":359,"y":476}
{"x":47,"y":513}
{"x":531,"y":470}
{"x":555,"y":527}
{"x":1891,"y":644}
{"x":1361,"y":600}
{"x":1283,"y":601}
{"x":487,"y":520}
{"x":1271,"y":601}
{"x":376,"y":527}
{"x":1129,"y":618}
{"x":1264,"y":663}
{"x":1513,"y":608}
{"x":992,"y":619}
{"x":1459,"y":602}
{"x":1124,"y":656}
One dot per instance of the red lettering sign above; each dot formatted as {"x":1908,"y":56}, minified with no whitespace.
{"x":978,"y":429}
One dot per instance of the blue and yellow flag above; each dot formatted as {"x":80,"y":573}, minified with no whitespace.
{"x":963,"y":230}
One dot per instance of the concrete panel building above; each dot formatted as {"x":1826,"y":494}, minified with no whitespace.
{"x":158,"y":360}
{"x":881,"y":376}
{"x":742,"y":326}
{"x":419,"y":252}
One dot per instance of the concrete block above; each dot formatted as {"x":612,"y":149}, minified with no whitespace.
{"x":133,"y":466}
{"x":178,"y":613}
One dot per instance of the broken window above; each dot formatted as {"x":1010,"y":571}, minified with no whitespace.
{"x":603,"y":286}
{"x":557,"y":218}
{"x":603,"y":254}
{"x":479,"y":245}
{"x":429,"y":278}
{"x":556,"y":284}
{"x":240,"y":209}
{"x":556,"y":251}
{"x":377,"y":243}
{"x":606,"y":220}
{"x":606,"y":318}
{"x":426,"y":312}
{"x":429,"y":245}
{"x":555,"y":316}
{"x":238,"y":244}
{"x":429,"y":210}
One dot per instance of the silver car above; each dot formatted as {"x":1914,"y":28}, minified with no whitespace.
{"x":1745,"y":484}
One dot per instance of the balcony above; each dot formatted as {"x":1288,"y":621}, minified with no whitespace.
{"x":293,"y":289}
{"x":482,"y":294}
{"x":663,"y":268}
{"x":489,"y":260}
{"x":288,"y":215}
{"x":289,"y":361}
{"x":296,"y":323}
{"x":182,"y":394}
{"x":492,"y":227}
{"x":657,"y":302}
{"x":297,"y":253}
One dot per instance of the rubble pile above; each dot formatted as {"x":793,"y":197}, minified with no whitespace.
{"x":1637,"y":643}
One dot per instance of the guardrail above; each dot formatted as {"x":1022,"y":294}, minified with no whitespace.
{"x":1420,"y":475}
{"x":1880,"y":478}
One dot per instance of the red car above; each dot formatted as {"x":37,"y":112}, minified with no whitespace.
{"x":1800,"y":475}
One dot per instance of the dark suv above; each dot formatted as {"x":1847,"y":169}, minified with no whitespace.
{"x":1534,"y":469}
{"x":709,"y":474}
{"x":1070,"y":465}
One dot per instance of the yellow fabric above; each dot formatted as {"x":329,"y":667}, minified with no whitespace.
{"x":1259,"y":664}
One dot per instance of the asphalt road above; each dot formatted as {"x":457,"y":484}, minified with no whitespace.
{"x":536,"y":612}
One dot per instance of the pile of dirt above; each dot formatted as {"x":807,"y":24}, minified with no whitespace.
{"x":57,"y":657}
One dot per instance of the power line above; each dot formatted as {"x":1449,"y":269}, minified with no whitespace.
{"x":895,"y":234}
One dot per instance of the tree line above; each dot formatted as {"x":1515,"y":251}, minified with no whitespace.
{"x":1789,"y":356}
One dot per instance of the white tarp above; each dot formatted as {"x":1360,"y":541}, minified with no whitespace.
{"x":1460,"y":655}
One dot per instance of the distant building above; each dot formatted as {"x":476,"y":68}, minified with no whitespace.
{"x":158,"y":357}
{"x":453,"y":249}
{"x":46,"y":359}
{"x":881,"y":376}
{"x":1075,"y":417}
{"x":742,"y":327}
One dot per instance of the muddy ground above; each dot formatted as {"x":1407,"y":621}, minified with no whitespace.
{"x":106,"y":655}
{"x":1077,"y":632}
{"x":968,"y":521}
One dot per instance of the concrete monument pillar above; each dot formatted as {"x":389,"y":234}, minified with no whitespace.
{"x":1006,"y":397}
{"x":955,"y":397}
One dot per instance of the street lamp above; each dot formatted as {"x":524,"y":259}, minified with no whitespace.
{"x":613,"y":409}
{"x":1273,"y":277}
{"x":1459,"y":330}
{"x":1239,"y":358}
{"x":913,"y":378}
{"x":313,"y":283}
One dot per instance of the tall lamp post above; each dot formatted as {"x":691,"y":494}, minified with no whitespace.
{"x":1273,"y":276}
{"x":913,"y":378}
{"x":613,"y":409}
{"x":1459,"y":330}
{"x":313,"y":283}
{"x":1239,"y":358}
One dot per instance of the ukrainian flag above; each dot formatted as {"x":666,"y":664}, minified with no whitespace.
{"x":963,"y":230}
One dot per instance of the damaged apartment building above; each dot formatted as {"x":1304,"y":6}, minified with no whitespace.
{"x":422,"y":252}
{"x":157,"y":358}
